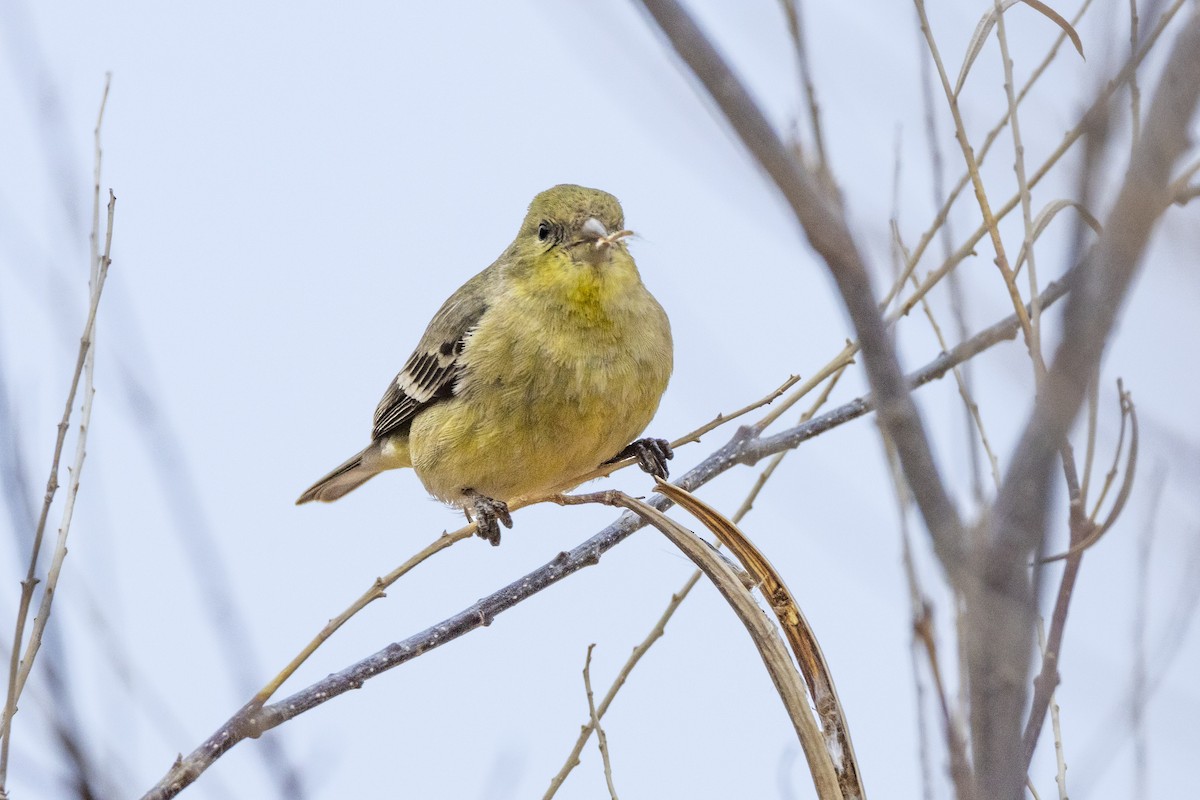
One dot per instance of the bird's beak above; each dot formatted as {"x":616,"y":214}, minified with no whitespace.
{"x":594,"y":229}
{"x":595,"y":232}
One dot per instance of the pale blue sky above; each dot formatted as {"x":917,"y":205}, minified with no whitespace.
{"x":299,"y":189}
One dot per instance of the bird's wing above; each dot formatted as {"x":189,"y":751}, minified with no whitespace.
{"x":430,"y":373}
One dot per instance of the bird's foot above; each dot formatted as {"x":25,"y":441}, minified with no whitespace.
{"x":652,"y":455}
{"x":489,"y":514}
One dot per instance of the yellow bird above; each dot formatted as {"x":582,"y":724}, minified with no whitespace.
{"x":537,"y":370}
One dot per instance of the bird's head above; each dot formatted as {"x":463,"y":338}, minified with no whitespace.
{"x":584,"y":226}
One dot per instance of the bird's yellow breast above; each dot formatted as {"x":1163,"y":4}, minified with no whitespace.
{"x":562,"y":371}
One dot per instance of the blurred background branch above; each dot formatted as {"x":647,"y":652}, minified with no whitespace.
{"x":237,"y":347}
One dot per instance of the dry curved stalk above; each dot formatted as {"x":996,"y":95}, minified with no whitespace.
{"x":1046,"y":216}
{"x":988,"y":21}
{"x":766,"y":638}
{"x":795,"y":629}
{"x":1096,"y":531}
{"x":677,"y":598}
{"x":246,"y":716}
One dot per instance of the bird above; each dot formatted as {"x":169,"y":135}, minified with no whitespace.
{"x":542,"y":367}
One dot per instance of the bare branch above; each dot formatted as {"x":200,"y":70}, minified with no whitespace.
{"x":765,"y":636}
{"x":592,"y":724}
{"x":744,"y":448}
{"x":795,"y":24}
{"x":601,"y":739}
{"x":97,"y":272}
{"x":825,"y":226}
{"x":1001,"y":603}
{"x":796,"y":630}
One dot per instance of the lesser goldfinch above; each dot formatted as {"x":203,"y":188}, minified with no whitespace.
{"x":537,"y":370}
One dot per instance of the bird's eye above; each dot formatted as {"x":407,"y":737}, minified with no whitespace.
{"x":543,"y":231}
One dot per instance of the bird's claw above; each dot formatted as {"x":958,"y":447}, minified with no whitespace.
{"x":489,"y":515}
{"x":652,"y":455}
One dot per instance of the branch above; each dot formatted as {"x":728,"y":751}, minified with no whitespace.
{"x":796,"y":631}
{"x":1086,"y":123}
{"x":744,"y":448}
{"x":379,"y":585}
{"x":765,"y":635}
{"x":1001,"y":603}
{"x":601,"y":739}
{"x":97,"y":271}
{"x":825,"y":226}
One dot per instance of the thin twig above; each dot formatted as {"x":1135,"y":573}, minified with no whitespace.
{"x":378,"y":588}
{"x":721,"y":419}
{"x":942,"y":215}
{"x":1111,"y":475}
{"x":1089,"y":457}
{"x":1135,"y":92}
{"x":792,"y":11}
{"x":375,"y":592}
{"x":1173,"y":638}
{"x":923,"y":633}
{"x":919,"y":607}
{"x":835,"y":366}
{"x":1056,"y":725}
{"x":1093,"y":531}
{"x":97,"y":271}
{"x":654,"y":635}
{"x":985,"y":207}
{"x":967,"y":249}
{"x":601,"y":739}
{"x":1035,"y":335}
{"x":959,"y":378}
{"x":693,"y":436}
{"x":75,"y":470}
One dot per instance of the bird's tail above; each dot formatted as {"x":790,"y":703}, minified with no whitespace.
{"x":349,"y":476}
